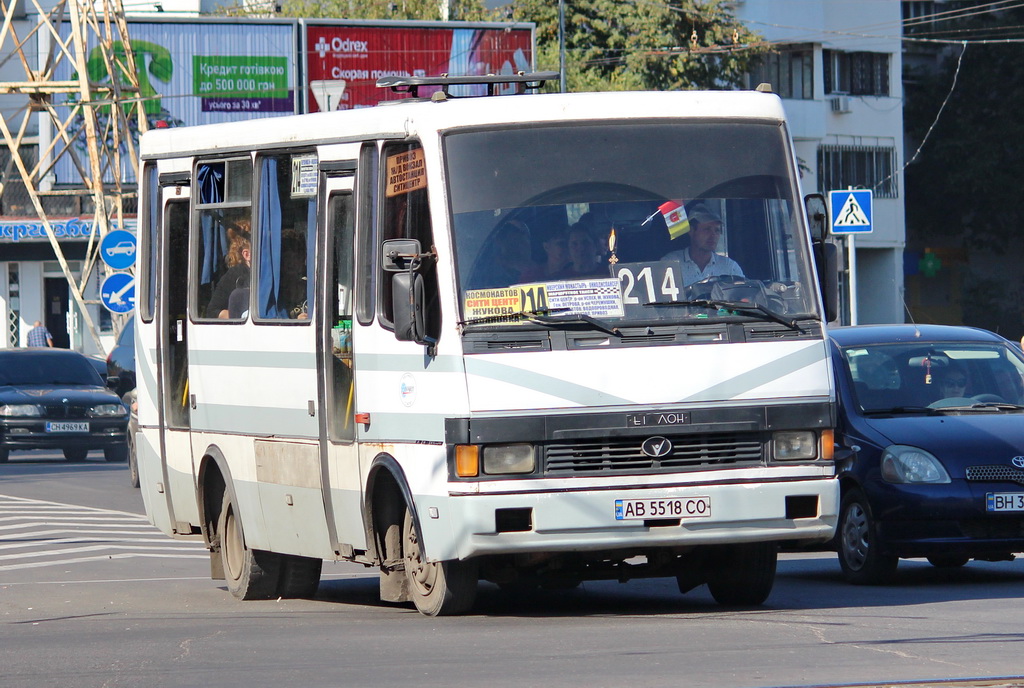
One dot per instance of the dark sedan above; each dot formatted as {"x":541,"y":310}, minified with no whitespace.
{"x":55,"y":399}
{"x":931,"y":447}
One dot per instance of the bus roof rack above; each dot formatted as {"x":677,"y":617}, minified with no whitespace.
{"x":411,"y":84}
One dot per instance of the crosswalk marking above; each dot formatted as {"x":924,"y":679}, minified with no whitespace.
{"x":35,"y":534}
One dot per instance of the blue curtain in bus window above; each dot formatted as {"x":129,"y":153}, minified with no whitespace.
{"x":215,"y":247}
{"x":153,"y":187}
{"x":210,"y":177}
{"x":270,"y":242}
{"x":310,"y":252}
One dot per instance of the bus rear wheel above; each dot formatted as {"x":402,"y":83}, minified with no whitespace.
{"x":250,"y":574}
{"x":436,"y":588}
{"x":743,"y":575}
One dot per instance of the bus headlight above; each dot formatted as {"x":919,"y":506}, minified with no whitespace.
{"x":795,"y":445}
{"x":504,"y":459}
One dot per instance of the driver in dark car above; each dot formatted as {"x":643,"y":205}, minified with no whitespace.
{"x":700,"y":260}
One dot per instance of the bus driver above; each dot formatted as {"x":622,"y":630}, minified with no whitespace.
{"x":700,"y":261}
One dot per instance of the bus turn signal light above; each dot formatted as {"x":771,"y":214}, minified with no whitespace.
{"x":467,"y":460}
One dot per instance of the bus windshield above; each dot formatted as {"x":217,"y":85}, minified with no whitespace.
{"x":634,"y":223}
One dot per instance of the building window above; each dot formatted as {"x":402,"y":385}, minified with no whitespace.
{"x":789,"y":71}
{"x":918,"y":15}
{"x":856,"y":74}
{"x":860,"y":167}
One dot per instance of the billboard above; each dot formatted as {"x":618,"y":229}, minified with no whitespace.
{"x":200,"y":72}
{"x":359,"y":54}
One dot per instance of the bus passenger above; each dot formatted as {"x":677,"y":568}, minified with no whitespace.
{"x":237,"y":260}
{"x":584,"y":254}
{"x":700,"y":260}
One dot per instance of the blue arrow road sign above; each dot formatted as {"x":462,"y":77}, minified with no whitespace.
{"x":851,"y":211}
{"x":118,"y":292}
{"x":117,"y":249}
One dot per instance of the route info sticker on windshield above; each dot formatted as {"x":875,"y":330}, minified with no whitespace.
{"x":598,"y":298}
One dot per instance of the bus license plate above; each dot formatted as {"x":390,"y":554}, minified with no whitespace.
{"x":1004,"y":501}
{"x":66,"y":427}
{"x":642,"y":509}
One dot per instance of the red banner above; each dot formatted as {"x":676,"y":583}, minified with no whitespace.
{"x":359,"y":55}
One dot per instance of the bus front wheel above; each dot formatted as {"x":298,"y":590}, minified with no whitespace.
{"x":250,"y":574}
{"x":744,"y":574}
{"x":437,"y":588}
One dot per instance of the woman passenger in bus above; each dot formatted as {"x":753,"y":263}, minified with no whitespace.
{"x":584,"y":254}
{"x":237,"y":260}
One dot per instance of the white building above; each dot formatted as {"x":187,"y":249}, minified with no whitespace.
{"x":838,"y":69}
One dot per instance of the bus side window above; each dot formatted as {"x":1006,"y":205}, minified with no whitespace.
{"x":286,"y":237}
{"x":223,"y":234}
{"x":406,"y":215}
{"x":367,"y":193}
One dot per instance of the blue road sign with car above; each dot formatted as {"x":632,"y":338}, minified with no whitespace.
{"x":118,"y":248}
{"x":851,"y":211}
{"x":118,"y":292}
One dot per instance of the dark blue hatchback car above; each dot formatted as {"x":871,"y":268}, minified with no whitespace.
{"x":931,"y":447}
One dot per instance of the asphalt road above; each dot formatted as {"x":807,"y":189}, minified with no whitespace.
{"x":91,"y":595}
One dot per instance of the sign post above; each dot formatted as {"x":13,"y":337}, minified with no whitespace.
{"x":851,"y":215}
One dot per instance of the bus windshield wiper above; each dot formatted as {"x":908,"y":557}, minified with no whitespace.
{"x":544,"y":316}
{"x":575,"y":319}
{"x":744,"y":306}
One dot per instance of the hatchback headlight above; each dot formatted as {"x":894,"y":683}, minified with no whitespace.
{"x":22,"y":410}
{"x":793,"y":445}
{"x":503,"y":459}
{"x":108,"y":411}
{"x":903,"y":464}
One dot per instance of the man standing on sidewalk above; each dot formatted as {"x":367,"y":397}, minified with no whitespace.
{"x":39,"y":335}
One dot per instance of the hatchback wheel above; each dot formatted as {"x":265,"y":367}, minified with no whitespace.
{"x":859,"y":555}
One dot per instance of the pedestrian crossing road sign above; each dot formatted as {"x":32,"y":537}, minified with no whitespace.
{"x":851,"y":211}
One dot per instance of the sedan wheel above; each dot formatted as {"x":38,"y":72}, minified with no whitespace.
{"x":859,"y":555}
{"x":948,"y":561}
{"x":75,"y":454}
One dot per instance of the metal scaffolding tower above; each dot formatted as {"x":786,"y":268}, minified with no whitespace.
{"x":81,"y":106}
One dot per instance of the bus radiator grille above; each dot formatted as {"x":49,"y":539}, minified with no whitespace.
{"x":689,"y":452}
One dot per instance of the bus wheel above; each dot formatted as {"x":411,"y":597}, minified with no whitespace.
{"x":439,"y":588}
{"x":250,"y":574}
{"x":744,"y":575}
{"x":300,"y":576}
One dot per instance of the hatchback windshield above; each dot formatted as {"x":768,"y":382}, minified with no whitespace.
{"x":628,"y":222}
{"x":44,"y":368}
{"x":904,"y":377}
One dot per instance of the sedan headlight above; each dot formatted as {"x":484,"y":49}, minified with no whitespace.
{"x":107,"y":411}
{"x":903,"y":464}
{"x":503,"y":459}
{"x":21,"y":410}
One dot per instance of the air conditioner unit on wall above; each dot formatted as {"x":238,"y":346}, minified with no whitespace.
{"x":841,"y":104}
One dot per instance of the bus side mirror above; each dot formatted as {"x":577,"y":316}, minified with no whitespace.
{"x":817,"y":216}
{"x":826,"y":259}
{"x":408,"y":302}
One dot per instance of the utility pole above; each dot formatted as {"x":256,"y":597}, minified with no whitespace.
{"x":80,"y":94}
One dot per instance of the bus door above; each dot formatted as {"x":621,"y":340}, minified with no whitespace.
{"x":172,"y":364}
{"x":338,"y":449}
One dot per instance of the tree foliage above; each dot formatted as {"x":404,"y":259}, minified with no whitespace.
{"x":642,"y":44}
{"x":973,"y":160}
